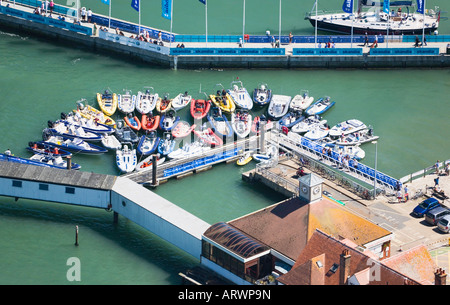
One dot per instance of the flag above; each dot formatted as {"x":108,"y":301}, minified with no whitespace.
{"x":420,"y":8}
{"x":386,"y":6}
{"x":203,"y":1}
{"x":347,"y":6}
{"x":135,"y":4}
{"x":166,"y":8}
{"x":105,"y":1}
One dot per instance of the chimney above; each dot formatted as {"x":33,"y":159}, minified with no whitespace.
{"x":344,"y":271}
{"x":440,"y":278}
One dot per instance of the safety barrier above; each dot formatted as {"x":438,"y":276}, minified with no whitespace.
{"x":327,"y":51}
{"x":404,"y":51}
{"x":46,"y":20}
{"x":197,"y":163}
{"x":227,"y":51}
{"x":134,"y":42}
{"x":429,"y":38}
{"x":211,"y":38}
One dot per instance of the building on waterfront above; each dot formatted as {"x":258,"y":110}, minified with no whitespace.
{"x":328,"y":261}
{"x":267,"y":243}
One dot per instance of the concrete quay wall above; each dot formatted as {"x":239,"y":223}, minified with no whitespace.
{"x":312,"y":62}
{"x":287,"y":61}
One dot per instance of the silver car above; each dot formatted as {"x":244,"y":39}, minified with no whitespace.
{"x":444,"y":224}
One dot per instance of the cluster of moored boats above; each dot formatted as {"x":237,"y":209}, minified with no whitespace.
{"x":137,"y":126}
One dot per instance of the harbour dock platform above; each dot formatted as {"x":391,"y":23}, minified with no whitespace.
{"x":183,"y":167}
{"x":224,"y":51}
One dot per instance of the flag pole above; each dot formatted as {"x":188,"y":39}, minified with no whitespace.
{"x":171,"y":21}
{"x":315,"y":30}
{"x":206,"y":21}
{"x":109,"y":23}
{"x":423,"y":23}
{"x":353,"y":20}
{"x":139,"y":16}
{"x":279,"y":26}
{"x":243,"y":24}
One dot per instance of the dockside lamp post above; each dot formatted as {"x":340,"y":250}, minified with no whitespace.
{"x":375,"y":176}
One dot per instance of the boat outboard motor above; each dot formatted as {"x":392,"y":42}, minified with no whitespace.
{"x":50,"y":124}
{"x":46,"y":133}
{"x":63,"y":116}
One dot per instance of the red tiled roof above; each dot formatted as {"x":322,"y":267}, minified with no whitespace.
{"x":330,"y":249}
{"x":287,"y":226}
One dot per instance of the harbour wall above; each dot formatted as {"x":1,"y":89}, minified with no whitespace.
{"x":162,"y":59}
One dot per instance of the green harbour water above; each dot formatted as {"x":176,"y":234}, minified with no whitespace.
{"x":40,"y":79}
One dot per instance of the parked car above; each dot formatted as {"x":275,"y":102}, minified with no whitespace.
{"x":433,"y":216}
{"x":425,"y":206}
{"x":444,"y":224}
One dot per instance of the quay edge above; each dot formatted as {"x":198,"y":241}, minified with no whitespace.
{"x":288,"y":61}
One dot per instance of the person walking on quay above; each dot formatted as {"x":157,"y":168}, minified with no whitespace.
{"x":436,"y":181}
{"x":399,"y":196}
{"x":89,"y":15}
{"x":406,"y":194}
{"x":290,"y":37}
{"x":83,"y":14}
{"x":52,"y":6}
{"x":436,"y":166}
{"x":366,"y":40}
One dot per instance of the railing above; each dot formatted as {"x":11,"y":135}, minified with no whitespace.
{"x":329,"y":167}
{"x":263,"y":169}
{"x":422,"y":173}
{"x":46,"y":20}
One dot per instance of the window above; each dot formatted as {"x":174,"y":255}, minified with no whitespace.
{"x":43,"y":187}
{"x":17,"y":183}
{"x":70,"y":190}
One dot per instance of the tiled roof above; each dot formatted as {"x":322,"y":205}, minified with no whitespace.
{"x":287,"y":226}
{"x":328,"y":250}
{"x":417,"y":263}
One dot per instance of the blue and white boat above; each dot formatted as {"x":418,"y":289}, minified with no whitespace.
{"x":41,"y":160}
{"x":45,"y":149}
{"x":125,"y":134}
{"x":219,"y":122}
{"x":126,"y":158}
{"x":75,"y":145}
{"x":291,"y":118}
{"x":74,"y":118}
{"x":168,"y":120}
{"x":347,"y":127}
{"x":148,"y":143}
{"x":271,"y":154}
{"x":166,"y":144}
{"x":189,"y":150}
{"x":262,"y":95}
{"x":240,"y":95}
{"x":320,"y":106}
{"x":308,"y":124}
{"x":317,"y":133}
{"x":63,"y":128}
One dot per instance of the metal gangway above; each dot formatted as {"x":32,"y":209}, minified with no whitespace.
{"x":311,"y":154}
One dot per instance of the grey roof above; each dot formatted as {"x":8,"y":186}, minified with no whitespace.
{"x":57,"y":176}
{"x":311,"y":179}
